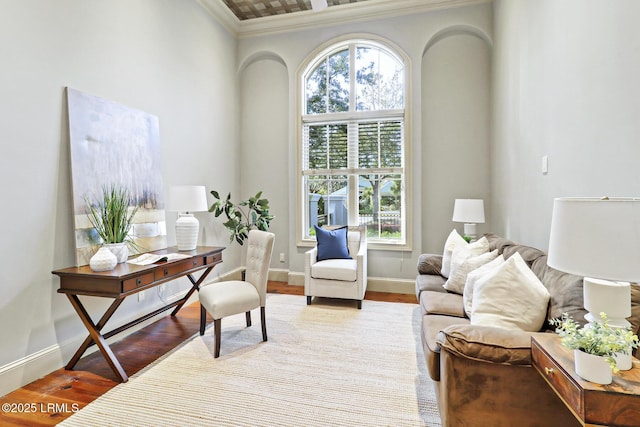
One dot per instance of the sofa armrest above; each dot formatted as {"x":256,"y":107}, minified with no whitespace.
{"x":430,"y":264}
{"x":487,"y":343}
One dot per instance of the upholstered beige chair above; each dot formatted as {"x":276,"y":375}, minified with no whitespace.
{"x":224,"y":299}
{"x":339,"y":278}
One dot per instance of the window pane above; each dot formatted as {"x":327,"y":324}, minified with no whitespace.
{"x":327,"y":86}
{"x":327,"y":147}
{"x":380,"y":144}
{"x":316,"y":90}
{"x":327,"y":199}
{"x":380,"y":206}
{"x":339,"y":82}
{"x":379,"y":80}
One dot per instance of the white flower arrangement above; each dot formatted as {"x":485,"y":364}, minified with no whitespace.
{"x":599,"y":338}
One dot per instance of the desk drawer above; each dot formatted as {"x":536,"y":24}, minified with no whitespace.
{"x":137,"y":282}
{"x":559,"y":380}
{"x":175,"y":268}
{"x":213,"y":259}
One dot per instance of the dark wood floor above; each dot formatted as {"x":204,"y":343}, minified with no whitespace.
{"x":53,"y":398}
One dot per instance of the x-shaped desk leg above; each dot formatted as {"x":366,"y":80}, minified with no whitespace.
{"x":195,"y":286}
{"x":95,"y":336}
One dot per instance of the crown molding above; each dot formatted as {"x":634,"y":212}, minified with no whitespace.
{"x":223,"y":14}
{"x":352,"y":12}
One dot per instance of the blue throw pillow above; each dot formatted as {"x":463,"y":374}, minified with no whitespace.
{"x":332,"y":244}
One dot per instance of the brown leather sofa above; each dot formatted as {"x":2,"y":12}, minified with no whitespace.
{"x":483,"y":375}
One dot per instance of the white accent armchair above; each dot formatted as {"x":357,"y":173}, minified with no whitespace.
{"x":224,"y":299}
{"x":339,"y":278}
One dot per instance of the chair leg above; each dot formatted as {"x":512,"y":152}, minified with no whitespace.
{"x":263,"y":320}
{"x":308,"y":299}
{"x":359,"y":304}
{"x":248,"y":315}
{"x":203,"y":319}
{"x":217,"y":327}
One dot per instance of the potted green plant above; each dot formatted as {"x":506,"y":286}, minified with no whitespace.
{"x":112,"y":218}
{"x":595,"y":346}
{"x":252,"y":213}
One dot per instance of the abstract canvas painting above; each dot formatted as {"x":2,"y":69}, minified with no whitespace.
{"x":112,"y":144}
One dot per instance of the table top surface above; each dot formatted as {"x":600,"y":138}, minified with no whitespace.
{"x":624,"y":382}
{"x":125,"y":269}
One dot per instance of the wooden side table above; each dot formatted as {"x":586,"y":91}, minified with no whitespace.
{"x":615,"y":404}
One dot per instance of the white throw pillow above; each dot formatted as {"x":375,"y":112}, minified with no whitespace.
{"x":472,"y":278}
{"x":462,"y":264}
{"x":511,"y":297}
{"x":455,"y":241}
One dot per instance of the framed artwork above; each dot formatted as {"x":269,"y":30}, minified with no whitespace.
{"x":112,"y":144}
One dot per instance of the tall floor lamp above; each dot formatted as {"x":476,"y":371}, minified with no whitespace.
{"x":599,"y":238}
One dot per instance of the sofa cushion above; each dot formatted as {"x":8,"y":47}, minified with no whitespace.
{"x":462,"y":263}
{"x":510,"y":296}
{"x":565,"y":290}
{"x":335,"y":269}
{"x":487,"y":343}
{"x":429,"y":282}
{"x":472,"y":278}
{"x":332,"y":244}
{"x":430,"y":264}
{"x":431,"y":327}
{"x":441,"y":303}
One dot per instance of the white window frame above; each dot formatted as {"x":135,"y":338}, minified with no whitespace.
{"x":353,"y":117}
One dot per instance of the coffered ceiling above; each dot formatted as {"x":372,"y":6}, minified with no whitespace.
{"x":248,"y":18}
{"x":251,"y":9}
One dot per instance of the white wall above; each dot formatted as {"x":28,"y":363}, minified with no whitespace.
{"x":456,"y":119}
{"x":412,"y":34}
{"x":166,"y":57}
{"x":566,"y":86}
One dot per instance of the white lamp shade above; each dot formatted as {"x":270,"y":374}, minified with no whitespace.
{"x":187,"y":198}
{"x":469,"y":211}
{"x":598,"y":238}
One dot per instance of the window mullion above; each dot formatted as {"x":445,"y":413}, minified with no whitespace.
{"x":352,"y":77}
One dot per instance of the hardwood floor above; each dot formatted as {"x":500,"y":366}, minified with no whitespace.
{"x":49,"y":400}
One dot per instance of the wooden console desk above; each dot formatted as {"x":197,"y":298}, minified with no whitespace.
{"x":123,"y":281}
{"x":616,"y":404}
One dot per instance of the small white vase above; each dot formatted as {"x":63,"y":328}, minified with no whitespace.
{"x":120,"y":250}
{"x":103,"y":260}
{"x":592,"y":368}
{"x":624,"y":361}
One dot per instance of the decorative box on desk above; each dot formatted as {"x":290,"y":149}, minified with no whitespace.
{"x":125,"y":280}
{"x":616,"y":404}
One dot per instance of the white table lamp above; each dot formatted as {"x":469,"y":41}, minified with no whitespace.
{"x":186,"y":199}
{"x":470,"y":212}
{"x":600,"y":240}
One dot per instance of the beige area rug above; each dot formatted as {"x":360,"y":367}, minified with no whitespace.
{"x":326,"y":364}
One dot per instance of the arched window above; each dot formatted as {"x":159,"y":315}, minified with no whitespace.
{"x":353,"y":141}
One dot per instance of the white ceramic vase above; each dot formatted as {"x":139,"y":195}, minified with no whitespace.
{"x":103,"y":260}
{"x":120,"y":250}
{"x":624,"y":361}
{"x":592,"y":368}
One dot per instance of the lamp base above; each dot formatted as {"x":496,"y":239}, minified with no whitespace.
{"x":611,"y":298}
{"x":471,"y":230}
{"x":187,"y":232}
